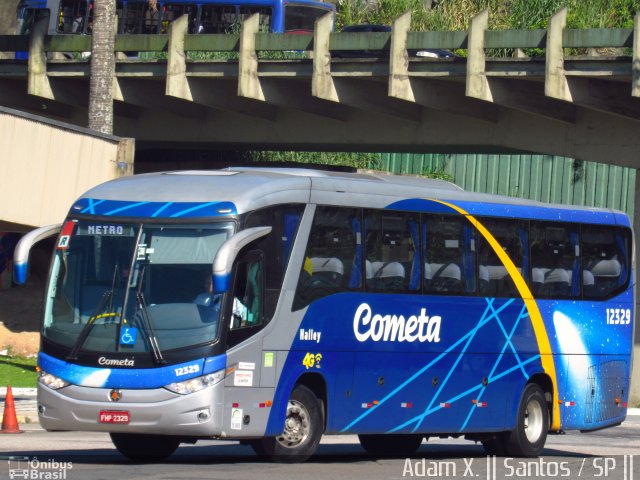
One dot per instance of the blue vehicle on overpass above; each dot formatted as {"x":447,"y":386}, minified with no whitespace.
{"x":154,"y":16}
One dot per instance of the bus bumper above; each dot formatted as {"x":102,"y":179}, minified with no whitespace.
{"x":155,"y":411}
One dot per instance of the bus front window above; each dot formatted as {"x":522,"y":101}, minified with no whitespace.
{"x":150,"y":279}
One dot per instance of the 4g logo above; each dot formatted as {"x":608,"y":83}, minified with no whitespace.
{"x":311,"y":360}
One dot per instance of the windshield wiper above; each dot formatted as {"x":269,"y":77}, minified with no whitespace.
{"x":86,"y":330}
{"x":148,"y":326}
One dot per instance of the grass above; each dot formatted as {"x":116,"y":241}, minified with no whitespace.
{"x":503,"y":14}
{"x":18,"y":372}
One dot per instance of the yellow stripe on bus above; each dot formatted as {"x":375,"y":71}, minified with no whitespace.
{"x":546,"y":355}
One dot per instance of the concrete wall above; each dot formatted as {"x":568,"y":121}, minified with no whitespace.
{"x":46,"y":165}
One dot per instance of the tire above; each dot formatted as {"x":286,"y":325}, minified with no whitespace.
{"x":145,"y":448}
{"x":527,"y":439}
{"x":390,"y":444}
{"x":304,"y":424}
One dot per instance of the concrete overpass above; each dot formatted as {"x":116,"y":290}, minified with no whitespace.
{"x":585,"y":107}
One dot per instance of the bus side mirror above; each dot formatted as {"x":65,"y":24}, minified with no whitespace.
{"x":229,"y":251}
{"x":21,"y":253}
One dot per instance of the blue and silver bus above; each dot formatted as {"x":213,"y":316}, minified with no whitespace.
{"x":154,"y":16}
{"x":273,"y":306}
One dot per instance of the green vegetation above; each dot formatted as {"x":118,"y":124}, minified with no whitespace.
{"x":503,"y":14}
{"x":437,"y":174}
{"x":18,"y":372}
{"x":348,"y":159}
{"x":446,"y":15}
{"x":366,"y":161}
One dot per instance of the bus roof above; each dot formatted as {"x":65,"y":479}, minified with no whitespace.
{"x":250,"y":188}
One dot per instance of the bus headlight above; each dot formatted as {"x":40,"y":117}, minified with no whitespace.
{"x":51,"y":381}
{"x":196,"y":384}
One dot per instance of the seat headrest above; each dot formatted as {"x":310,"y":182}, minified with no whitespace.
{"x":607,"y":268}
{"x":557,"y":275}
{"x":451,"y":271}
{"x":483,"y":273}
{"x":587,"y":278}
{"x":327,"y":264}
{"x":537,"y":274}
{"x":369,"y":271}
{"x":386,"y":270}
{"x":497,"y":272}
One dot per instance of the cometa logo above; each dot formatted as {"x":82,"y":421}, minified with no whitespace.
{"x":395,"y":328}
{"x":112,"y":362}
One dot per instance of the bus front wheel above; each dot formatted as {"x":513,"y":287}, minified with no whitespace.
{"x":303,"y":427}
{"x":144,"y":447}
{"x":527,"y":439}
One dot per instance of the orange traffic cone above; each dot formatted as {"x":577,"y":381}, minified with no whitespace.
{"x":9,"y":420}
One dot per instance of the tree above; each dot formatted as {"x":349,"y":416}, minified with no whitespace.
{"x":103,"y":66}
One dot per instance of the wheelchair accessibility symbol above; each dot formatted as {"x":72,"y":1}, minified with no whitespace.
{"x":128,"y":336}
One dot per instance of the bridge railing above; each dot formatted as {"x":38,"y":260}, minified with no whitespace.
{"x":479,"y":43}
{"x":347,"y":41}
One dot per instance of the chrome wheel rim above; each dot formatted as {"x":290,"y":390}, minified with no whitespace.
{"x":297,"y":425}
{"x":533,"y":421}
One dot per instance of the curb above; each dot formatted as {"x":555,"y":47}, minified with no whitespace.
{"x":20,"y":392}
{"x":633,"y":412}
{"x":28,"y":420}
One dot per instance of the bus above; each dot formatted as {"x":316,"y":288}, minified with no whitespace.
{"x":273,"y":306}
{"x":154,"y":16}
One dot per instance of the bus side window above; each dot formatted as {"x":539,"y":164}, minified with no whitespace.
{"x":447,"y":253}
{"x":134,"y":18}
{"x":605,"y":269}
{"x":555,"y":260}
{"x":218,"y":19}
{"x":71,"y":16}
{"x":247,"y":307}
{"x":332,"y":264}
{"x":284,"y":220}
{"x":392,"y":252}
{"x":512,"y":236}
{"x":172,"y":12}
{"x":264,"y":18}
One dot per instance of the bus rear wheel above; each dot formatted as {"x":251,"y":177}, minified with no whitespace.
{"x":527,"y":439}
{"x":390,"y":444}
{"x":303,"y":428}
{"x":144,"y":448}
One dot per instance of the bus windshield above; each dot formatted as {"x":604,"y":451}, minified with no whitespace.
{"x":123,"y":287}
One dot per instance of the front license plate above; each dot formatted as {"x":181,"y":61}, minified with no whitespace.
{"x":112,"y":416}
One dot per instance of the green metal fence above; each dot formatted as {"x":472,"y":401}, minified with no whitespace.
{"x":538,"y":177}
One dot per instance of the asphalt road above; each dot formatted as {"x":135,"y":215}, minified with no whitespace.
{"x":90,"y":456}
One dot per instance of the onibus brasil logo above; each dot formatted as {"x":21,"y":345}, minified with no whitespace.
{"x":34,"y":469}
